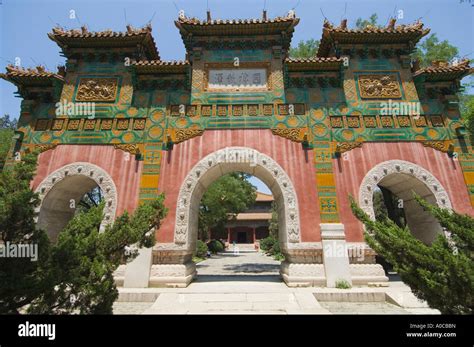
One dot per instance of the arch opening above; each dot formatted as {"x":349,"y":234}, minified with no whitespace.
{"x":397,"y":181}
{"x":421,"y":223}
{"x":70,"y":189}
{"x":217,"y":164}
{"x":67,"y":198}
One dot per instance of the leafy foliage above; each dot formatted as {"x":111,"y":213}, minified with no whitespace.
{"x":305,"y":49}
{"x":7,"y":123}
{"x":271,"y":246}
{"x":443,"y":273}
{"x":7,"y":127}
{"x":273,"y":222}
{"x":201,"y":249}
{"x":223,"y":200}
{"x":75,"y":275}
{"x":386,"y":205}
{"x":363,"y":23}
{"x":215,"y":246}
{"x":343,"y":284}
{"x":267,"y":243}
{"x":431,"y":49}
{"x":21,"y":280}
{"x":467,"y":113}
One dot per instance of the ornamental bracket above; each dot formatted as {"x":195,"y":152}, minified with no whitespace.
{"x":294,"y":134}
{"x":342,"y":147}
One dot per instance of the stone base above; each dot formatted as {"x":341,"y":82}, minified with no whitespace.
{"x":119,"y":275}
{"x":362,"y":274}
{"x":137,"y":272}
{"x":172,"y":275}
{"x":303,"y":275}
{"x":335,"y":254}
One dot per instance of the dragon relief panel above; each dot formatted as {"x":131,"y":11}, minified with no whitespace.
{"x":377,"y":86}
{"x":97,"y":89}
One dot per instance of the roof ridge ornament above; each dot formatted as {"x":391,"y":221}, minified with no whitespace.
{"x":391,"y":24}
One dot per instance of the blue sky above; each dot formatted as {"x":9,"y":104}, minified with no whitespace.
{"x":261,"y":187}
{"x":25,"y":23}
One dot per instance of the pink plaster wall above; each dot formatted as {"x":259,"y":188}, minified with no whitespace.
{"x":177,"y":163}
{"x":350,"y":173}
{"x":125,"y":173}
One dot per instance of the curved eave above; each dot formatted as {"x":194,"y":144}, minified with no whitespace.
{"x":374,"y":36}
{"x":161,"y":67}
{"x":32,"y":80}
{"x":113,"y":40}
{"x":433,"y":76}
{"x":237,"y":27}
{"x":314,"y":64}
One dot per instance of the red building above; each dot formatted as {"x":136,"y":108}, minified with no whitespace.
{"x":251,"y":225}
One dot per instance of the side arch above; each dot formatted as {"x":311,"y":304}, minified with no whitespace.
{"x":71,"y":182}
{"x":402,"y":178}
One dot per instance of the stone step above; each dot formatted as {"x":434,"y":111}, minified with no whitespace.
{"x":236,"y":303}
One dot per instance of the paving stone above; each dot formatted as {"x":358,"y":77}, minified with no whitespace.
{"x":249,"y":283}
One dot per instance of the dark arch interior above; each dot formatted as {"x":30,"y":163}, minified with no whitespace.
{"x":397,"y":196}
{"x":63,"y":201}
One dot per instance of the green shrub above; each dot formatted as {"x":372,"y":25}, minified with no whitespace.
{"x":215,"y":246}
{"x":201,"y":249}
{"x":267,"y":243}
{"x":279,"y":256}
{"x":343,"y":284}
{"x":275,"y":248}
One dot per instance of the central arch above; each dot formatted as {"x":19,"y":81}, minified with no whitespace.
{"x":224,"y":161}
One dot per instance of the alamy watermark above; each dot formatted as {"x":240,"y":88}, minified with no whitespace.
{"x":37,"y":330}
{"x":19,"y":250}
{"x":66,"y":108}
{"x":240,"y":155}
{"x":400,"y":108}
{"x":340,"y":250}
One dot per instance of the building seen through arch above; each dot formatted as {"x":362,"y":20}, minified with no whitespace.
{"x":248,"y":226}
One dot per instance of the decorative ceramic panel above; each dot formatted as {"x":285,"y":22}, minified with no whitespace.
{"x":378,"y":86}
{"x":97,"y":89}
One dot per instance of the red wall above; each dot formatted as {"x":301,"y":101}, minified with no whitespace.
{"x":176,"y":164}
{"x":125,"y":173}
{"x":350,"y":173}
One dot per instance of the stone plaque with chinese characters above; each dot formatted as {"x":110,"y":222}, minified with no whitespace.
{"x":237,"y":79}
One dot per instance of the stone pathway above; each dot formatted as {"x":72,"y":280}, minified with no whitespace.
{"x":243,"y":264}
{"x":249,"y":283}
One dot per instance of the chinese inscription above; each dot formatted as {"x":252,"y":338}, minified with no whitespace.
{"x":237,"y":78}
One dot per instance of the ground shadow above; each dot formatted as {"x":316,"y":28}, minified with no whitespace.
{"x":252,"y":268}
{"x":238,"y":278}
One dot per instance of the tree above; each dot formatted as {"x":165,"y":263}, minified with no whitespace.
{"x":466,"y":106}
{"x":363,"y":23}
{"x":273,"y":222}
{"x":305,"y":49}
{"x":7,"y":127}
{"x":75,"y":275}
{"x":7,"y":123}
{"x":224,"y":199}
{"x":431,"y":49}
{"x":21,"y":280}
{"x":441,"y":273}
